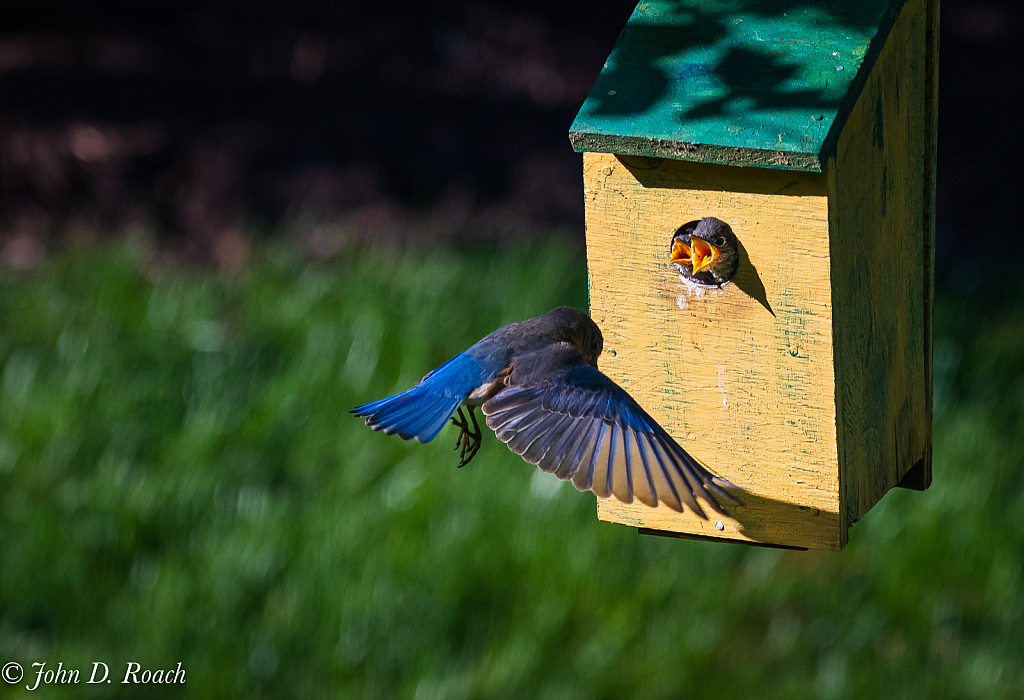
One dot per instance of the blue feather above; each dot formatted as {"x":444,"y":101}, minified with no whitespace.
{"x":419,"y":413}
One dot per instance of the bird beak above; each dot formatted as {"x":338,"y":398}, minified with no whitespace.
{"x":681,"y":253}
{"x":699,"y":256}
{"x":704,"y":254}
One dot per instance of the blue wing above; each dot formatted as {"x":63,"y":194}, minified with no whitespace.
{"x":419,"y":413}
{"x":580,"y":425}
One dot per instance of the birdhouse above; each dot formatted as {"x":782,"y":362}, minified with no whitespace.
{"x":808,"y":128}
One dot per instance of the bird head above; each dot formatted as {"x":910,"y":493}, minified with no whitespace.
{"x":575,"y":327}
{"x":705,"y":252}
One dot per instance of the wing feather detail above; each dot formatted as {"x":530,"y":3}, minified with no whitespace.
{"x":567,"y":463}
{"x":553,"y":428}
{"x":524,"y":439}
{"x":562,"y":436}
{"x":643,"y":486}
{"x":584,"y":462}
{"x":662,"y":478}
{"x":604,"y":464}
{"x":581,"y":426}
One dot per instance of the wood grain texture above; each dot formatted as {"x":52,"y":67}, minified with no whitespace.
{"x":931,"y":143}
{"x":767,"y":84}
{"x":742,"y":377}
{"x":879,"y":194}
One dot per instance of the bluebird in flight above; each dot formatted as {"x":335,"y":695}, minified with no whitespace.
{"x":705,"y":252}
{"x":540,"y":391}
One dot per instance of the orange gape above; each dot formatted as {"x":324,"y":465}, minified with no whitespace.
{"x":698,"y":256}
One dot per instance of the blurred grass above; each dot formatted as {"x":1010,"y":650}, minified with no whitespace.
{"x":179,"y":481}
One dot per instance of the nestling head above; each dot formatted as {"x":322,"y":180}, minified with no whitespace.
{"x":705,"y":252}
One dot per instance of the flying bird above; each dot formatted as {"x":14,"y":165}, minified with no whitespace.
{"x":705,"y":252}
{"x":538,"y":386}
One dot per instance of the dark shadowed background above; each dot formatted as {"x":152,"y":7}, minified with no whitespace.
{"x":201,"y":123}
{"x":198,"y":120}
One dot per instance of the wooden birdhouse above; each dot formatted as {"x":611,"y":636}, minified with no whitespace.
{"x":809,"y":128}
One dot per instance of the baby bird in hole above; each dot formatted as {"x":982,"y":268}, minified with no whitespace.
{"x":706,"y":252}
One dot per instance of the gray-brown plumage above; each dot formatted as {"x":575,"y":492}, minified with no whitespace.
{"x":539,"y":388}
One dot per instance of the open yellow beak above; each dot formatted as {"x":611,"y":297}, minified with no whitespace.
{"x":681,"y":253}
{"x":703,"y":254}
{"x":699,"y":256}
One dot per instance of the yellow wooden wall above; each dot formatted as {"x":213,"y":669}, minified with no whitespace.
{"x":743,"y":377}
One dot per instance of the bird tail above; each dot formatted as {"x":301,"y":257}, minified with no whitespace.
{"x":419,"y":413}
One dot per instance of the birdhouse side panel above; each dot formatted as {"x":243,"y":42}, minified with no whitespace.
{"x":881,"y":264}
{"x":743,"y":376}
{"x":922,"y":478}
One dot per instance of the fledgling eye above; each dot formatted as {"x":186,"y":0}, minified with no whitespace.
{"x":720,"y":241}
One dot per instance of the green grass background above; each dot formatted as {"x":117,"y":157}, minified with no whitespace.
{"x":180,"y":481}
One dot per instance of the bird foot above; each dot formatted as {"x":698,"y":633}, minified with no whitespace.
{"x":470,"y":439}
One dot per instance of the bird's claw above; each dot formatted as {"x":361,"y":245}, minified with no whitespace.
{"x":470,"y":439}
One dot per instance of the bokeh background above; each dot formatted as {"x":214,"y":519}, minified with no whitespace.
{"x":223,"y":224}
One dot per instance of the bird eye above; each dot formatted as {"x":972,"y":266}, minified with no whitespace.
{"x":720,"y":241}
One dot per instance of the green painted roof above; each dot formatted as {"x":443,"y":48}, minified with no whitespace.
{"x":740,"y":82}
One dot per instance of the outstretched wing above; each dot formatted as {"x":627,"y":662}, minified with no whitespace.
{"x":580,"y":425}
